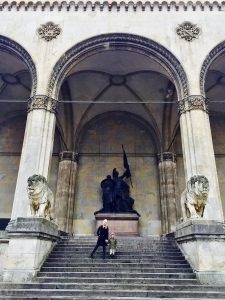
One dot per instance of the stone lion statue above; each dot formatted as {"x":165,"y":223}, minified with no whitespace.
{"x":40,"y":196}
{"x":194,"y":197}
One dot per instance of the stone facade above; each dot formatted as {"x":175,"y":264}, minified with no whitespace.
{"x":79,"y":79}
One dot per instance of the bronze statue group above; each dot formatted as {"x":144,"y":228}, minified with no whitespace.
{"x":116,"y":199}
{"x":116,"y":194}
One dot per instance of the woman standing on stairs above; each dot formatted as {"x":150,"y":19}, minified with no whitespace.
{"x":103,"y":234}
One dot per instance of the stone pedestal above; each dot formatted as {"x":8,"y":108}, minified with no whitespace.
{"x":203,"y":244}
{"x":123,"y":224}
{"x":31,"y":240}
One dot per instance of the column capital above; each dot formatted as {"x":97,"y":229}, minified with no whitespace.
{"x":69,"y":155}
{"x":166,"y":156}
{"x":192,"y":102}
{"x":42,"y":102}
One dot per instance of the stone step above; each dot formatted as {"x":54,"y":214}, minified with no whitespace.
{"x":124,"y":255}
{"x":123,"y":238}
{"x":121,"y":293}
{"x":111,"y":263}
{"x":110,"y":286}
{"x":91,"y":298}
{"x":98,"y":255}
{"x":107,"y":268}
{"x":99,"y":298}
{"x":103,"y":279}
{"x":118,"y":250}
{"x":121,"y":242}
{"x":116,"y":259}
{"x":117,"y":274}
{"x":124,"y":241}
{"x":120,"y":247}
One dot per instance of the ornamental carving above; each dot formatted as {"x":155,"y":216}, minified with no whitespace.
{"x":166,"y":156}
{"x":191,"y":103}
{"x":49,"y":31}
{"x":69,"y":155}
{"x":42,"y":102}
{"x":188,"y":31}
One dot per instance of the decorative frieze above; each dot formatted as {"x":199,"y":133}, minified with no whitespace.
{"x":42,"y":102}
{"x":89,"y":6}
{"x":49,"y":31}
{"x":191,"y":103}
{"x":188,"y":31}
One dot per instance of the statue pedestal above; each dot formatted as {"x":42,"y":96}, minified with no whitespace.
{"x":30,"y":242}
{"x":203,"y":244}
{"x":122,"y":224}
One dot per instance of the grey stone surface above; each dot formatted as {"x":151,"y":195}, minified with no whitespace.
{"x":203,"y":229}
{"x":3,"y":234}
{"x":36,"y":227}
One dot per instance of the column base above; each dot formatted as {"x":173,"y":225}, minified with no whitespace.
{"x":211,"y":278}
{"x":203,"y":244}
{"x":31,"y":240}
{"x":122,"y":224}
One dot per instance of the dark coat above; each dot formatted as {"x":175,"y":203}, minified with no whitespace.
{"x":103,"y":234}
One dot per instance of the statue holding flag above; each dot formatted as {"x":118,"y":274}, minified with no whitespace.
{"x":116,"y":192}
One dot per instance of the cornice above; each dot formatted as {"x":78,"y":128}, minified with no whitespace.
{"x":139,"y":6}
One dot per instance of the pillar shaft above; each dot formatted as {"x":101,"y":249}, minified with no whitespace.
{"x":36,"y":151}
{"x":198,"y":150}
{"x":65,"y":194}
{"x":168,"y":191}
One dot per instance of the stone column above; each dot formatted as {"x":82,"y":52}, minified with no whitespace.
{"x":202,"y":240}
{"x":198,"y":150}
{"x":64,"y":202}
{"x":168,"y":191}
{"x":37,"y":149}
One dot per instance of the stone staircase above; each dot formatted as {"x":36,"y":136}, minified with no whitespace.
{"x":144,"y":268}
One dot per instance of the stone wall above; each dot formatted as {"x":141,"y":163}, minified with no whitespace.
{"x":11,"y":133}
{"x":217,"y":123}
{"x":101,"y":148}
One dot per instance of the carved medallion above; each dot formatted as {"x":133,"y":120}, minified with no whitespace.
{"x":188,"y":31}
{"x":49,"y":31}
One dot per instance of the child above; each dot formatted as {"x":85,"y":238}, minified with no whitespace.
{"x":112,"y":245}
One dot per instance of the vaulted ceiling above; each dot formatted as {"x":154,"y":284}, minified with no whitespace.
{"x":110,"y":81}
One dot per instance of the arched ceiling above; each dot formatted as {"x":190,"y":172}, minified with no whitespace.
{"x":215,"y":86}
{"x":120,"y":80}
{"x":15,"y":85}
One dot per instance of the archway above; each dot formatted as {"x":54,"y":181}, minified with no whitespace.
{"x":119,"y":73}
{"x":213,"y":86}
{"x":17,"y":84}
